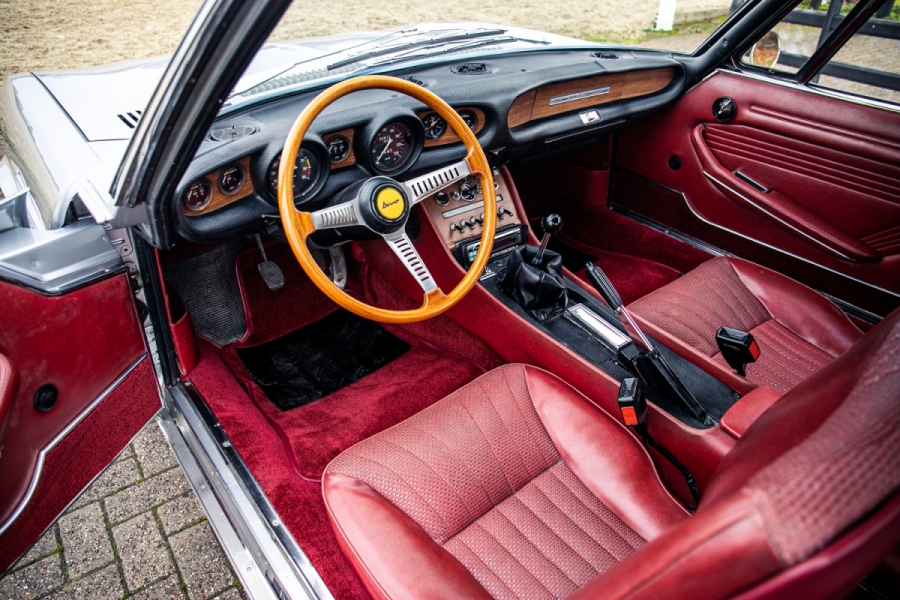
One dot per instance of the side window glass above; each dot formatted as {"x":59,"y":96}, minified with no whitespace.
{"x":869,"y":63}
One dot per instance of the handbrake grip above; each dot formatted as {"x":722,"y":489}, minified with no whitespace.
{"x":603,"y":285}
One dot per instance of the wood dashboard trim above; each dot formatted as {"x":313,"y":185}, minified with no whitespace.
{"x":450,"y":136}
{"x":219,"y":198}
{"x":536,"y":104}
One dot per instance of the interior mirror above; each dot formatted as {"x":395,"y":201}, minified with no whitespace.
{"x":766,"y":51}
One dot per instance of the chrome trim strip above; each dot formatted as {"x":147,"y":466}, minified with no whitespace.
{"x":39,"y":467}
{"x":286,"y":569}
{"x":579,"y":96}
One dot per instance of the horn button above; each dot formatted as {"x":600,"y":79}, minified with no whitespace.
{"x":383,"y":205}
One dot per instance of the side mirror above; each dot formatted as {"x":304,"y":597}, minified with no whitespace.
{"x":766,"y":51}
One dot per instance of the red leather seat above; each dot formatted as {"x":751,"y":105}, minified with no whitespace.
{"x":517,"y":486}
{"x":798,"y":330}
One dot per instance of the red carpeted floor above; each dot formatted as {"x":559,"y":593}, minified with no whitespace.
{"x":287,"y":451}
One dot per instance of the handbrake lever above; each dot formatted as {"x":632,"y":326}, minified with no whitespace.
{"x":649,"y":364}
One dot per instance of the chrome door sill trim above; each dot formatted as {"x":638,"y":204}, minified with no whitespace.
{"x":42,"y":455}
{"x":266,"y":557}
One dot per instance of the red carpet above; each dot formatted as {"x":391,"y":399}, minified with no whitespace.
{"x":287,"y":451}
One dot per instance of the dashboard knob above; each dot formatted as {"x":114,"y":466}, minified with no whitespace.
{"x":455,"y":195}
{"x":467,"y":192}
{"x":442,"y":199}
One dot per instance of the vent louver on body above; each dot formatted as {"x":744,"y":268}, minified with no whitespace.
{"x":130,"y":118}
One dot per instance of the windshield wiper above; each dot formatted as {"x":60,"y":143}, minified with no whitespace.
{"x":442,"y":40}
{"x":454,"y":49}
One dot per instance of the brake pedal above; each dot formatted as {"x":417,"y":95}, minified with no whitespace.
{"x":270,"y":272}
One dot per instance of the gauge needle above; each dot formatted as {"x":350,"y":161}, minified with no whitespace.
{"x":386,"y":146}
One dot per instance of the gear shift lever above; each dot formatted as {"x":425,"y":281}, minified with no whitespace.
{"x":551,"y":224}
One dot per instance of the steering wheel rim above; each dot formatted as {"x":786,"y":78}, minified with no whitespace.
{"x":299,"y":225}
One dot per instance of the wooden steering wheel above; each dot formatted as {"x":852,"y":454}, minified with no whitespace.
{"x":383,"y":205}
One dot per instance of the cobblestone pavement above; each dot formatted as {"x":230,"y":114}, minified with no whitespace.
{"x":136,"y":532}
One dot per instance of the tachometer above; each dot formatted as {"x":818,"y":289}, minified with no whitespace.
{"x":307,"y":171}
{"x":390,"y":148}
{"x":435,"y":126}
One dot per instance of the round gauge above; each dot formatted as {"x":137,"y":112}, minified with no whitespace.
{"x":307,"y":171}
{"x":470,"y":118}
{"x":391,"y":146}
{"x":338,"y":149}
{"x":435,"y":126}
{"x":197,"y":195}
{"x":231,"y":179}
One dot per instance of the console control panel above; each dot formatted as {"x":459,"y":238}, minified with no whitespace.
{"x":458,"y":209}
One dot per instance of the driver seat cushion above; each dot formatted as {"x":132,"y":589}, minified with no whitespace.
{"x":798,"y":330}
{"x":507,"y":488}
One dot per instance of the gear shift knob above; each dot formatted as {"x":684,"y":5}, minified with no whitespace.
{"x":552,"y":223}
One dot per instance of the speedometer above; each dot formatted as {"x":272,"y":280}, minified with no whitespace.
{"x":307,"y":172}
{"x":390,"y":148}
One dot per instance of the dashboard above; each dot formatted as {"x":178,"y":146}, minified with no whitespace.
{"x":520,"y":107}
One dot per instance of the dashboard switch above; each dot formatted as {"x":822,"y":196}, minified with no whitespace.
{"x":442,"y":199}
{"x":467,"y":192}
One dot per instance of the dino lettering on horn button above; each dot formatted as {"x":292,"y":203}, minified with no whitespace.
{"x":389,"y":203}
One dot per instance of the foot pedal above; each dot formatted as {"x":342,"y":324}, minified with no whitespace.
{"x":338,"y":266}
{"x":270,"y":272}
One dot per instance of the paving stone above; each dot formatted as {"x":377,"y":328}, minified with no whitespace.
{"x":232,"y":594}
{"x":105,"y":584}
{"x":138,"y":498}
{"x":85,"y":541}
{"x":179,"y":513}
{"x":45,"y":545}
{"x":167,"y":589}
{"x":118,"y":475}
{"x":128,"y":452}
{"x":142,"y":551}
{"x":201,"y":561}
{"x":152,"y":450}
{"x":36,"y":580}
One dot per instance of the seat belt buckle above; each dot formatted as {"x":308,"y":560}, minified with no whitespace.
{"x":738,"y":348}
{"x":632,"y":403}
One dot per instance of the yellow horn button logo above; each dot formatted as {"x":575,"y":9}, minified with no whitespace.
{"x":389,"y":203}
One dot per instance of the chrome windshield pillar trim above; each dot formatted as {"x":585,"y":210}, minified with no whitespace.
{"x":247,"y":515}
{"x":42,"y":456}
{"x":421,"y":187}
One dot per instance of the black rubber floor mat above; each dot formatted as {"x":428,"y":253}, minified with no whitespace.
{"x":320,"y":359}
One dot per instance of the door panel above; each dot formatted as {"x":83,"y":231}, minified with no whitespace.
{"x":830,"y":170}
{"x":88,"y":346}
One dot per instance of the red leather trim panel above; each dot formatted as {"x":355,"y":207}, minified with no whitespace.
{"x":746,"y":410}
{"x":79,"y":343}
{"x":73,"y":463}
{"x":9,"y":380}
{"x":855,"y":201}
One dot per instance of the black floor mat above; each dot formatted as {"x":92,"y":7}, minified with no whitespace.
{"x":320,"y":359}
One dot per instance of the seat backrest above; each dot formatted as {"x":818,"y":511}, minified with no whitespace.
{"x":807,"y":501}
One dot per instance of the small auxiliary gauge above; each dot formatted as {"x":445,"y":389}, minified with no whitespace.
{"x":338,"y":149}
{"x":469,"y":117}
{"x":435,"y":126}
{"x":197,"y":195}
{"x":231,"y":179}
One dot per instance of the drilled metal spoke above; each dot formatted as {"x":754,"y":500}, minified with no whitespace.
{"x":423,"y":186}
{"x":342,"y":215}
{"x":406,"y":252}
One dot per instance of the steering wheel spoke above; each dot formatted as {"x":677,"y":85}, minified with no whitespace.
{"x":331,"y":217}
{"x":423,"y":186}
{"x":409,"y":256}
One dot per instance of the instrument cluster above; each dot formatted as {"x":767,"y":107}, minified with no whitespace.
{"x":385,"y":149}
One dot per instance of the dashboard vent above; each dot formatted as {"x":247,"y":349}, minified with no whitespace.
{"x":418,"y":82}
{"x":470,"y":69}
{"x":226,"y":134}
{"x":130,"y":118}
{"x":606,"y":55}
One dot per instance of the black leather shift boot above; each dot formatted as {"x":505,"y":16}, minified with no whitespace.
{"x":539,"y":289}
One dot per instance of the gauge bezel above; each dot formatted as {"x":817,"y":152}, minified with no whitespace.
{"x":443,"y":131}
{"x":415,"y":126}
{"x":240,"y":183}
{"x":331,"y":138}
{"x":319,"y":150}
{"x":209,"y":197}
